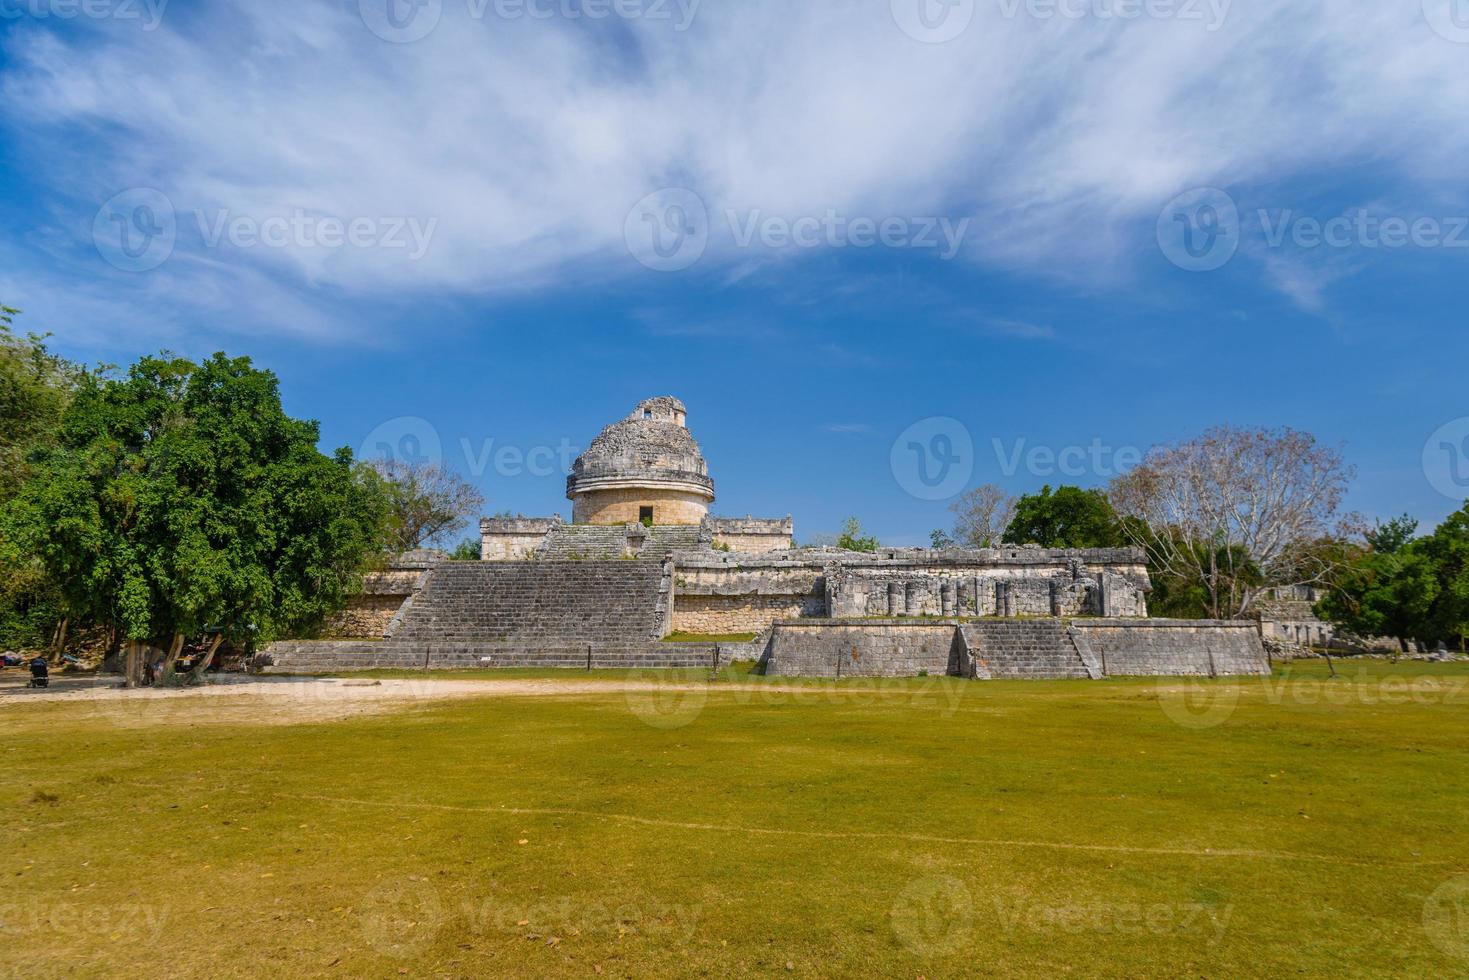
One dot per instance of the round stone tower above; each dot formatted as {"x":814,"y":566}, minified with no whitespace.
{"x":645,"y":468}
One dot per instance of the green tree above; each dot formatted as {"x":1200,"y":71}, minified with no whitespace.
{"x":35,"y":388}
{"x":1069,"y":517}
{"x":852,"y":538}
{"x":181,"y":500}
{"x":1392,"y":537}
{"x":1446,"y":552}
{"x":466,"y":550}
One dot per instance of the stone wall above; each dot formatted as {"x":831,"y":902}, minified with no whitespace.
{"x":713,"y":615}
{"x":751,"y":535}
{"x":366,"y":617}
{"x":716,"y":593}
{"x":1016,"y":649}
{"x":1003,"y":582}
{"x":830,"y":648}
{"x":514,"y":538}
{"x":624,"y":506}
{"x":744,"y":593}
{"x":369,"y":614}
{"x":1168,"y":647}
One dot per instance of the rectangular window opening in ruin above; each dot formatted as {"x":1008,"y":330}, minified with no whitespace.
{"x":645,"y":515}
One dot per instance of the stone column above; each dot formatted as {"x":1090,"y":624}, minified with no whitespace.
{"x":896,"y":604}
{"x":915,"y":603}
{"x":1055,"y":597}
{"x":948,"y":597}
{"x":1006,"y":599}
{"x":965,"y":597}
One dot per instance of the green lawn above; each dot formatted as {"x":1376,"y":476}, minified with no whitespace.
{"x":931,"y":827}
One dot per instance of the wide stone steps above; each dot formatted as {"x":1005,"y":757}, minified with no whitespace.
{"x":1024,"y":650}
{"x":542,"y":603}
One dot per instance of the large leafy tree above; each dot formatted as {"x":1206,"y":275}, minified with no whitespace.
{"x":1381,"y":593}
{"x":181,"y":500}
{"x":1068,"y":517}
{"x":1446,"y":552}
{"x":36,"y":385}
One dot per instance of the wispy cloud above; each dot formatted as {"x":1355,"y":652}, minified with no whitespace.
{"x":528,"y":141}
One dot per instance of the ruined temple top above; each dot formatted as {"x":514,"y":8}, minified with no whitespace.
{"x":651,"y":445}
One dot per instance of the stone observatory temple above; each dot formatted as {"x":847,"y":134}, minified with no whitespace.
{"x":644,"y":576}
{"x":646,"y":468}
{"x":646,"y":476}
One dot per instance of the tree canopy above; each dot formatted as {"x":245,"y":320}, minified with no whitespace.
{"x":1068,"y":517}
{"x":181,"y":499}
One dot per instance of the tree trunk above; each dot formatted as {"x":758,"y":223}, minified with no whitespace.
{"x":61,"y":638}
{"x":132,"y":665}
{"x":197,"y":673}
{"x":172,"y":658}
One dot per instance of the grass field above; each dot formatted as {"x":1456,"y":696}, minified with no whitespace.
{"x":931,"y":827}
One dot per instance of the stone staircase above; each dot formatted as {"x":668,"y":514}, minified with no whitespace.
{"x":1020,"y":649}
{"x":545,"y":604}
{"x":322,"y":657}
{"x":586,"y":542}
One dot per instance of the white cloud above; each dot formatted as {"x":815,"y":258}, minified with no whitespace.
{"x":529,"y":140}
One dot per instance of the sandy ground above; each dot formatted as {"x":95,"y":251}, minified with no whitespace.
{"x":658,"y":699}
{"x":289,"y":700}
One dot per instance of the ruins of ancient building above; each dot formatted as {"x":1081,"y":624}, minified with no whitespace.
{"x":642,"y":559}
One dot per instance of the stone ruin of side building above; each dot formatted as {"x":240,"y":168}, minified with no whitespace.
{"x":642,"y":559}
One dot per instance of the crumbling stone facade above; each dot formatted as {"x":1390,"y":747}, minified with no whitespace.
{"x":645,"y":469}
{"x":643,"y":558}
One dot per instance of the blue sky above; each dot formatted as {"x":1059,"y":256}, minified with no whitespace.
{"x":1090,"y":232}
